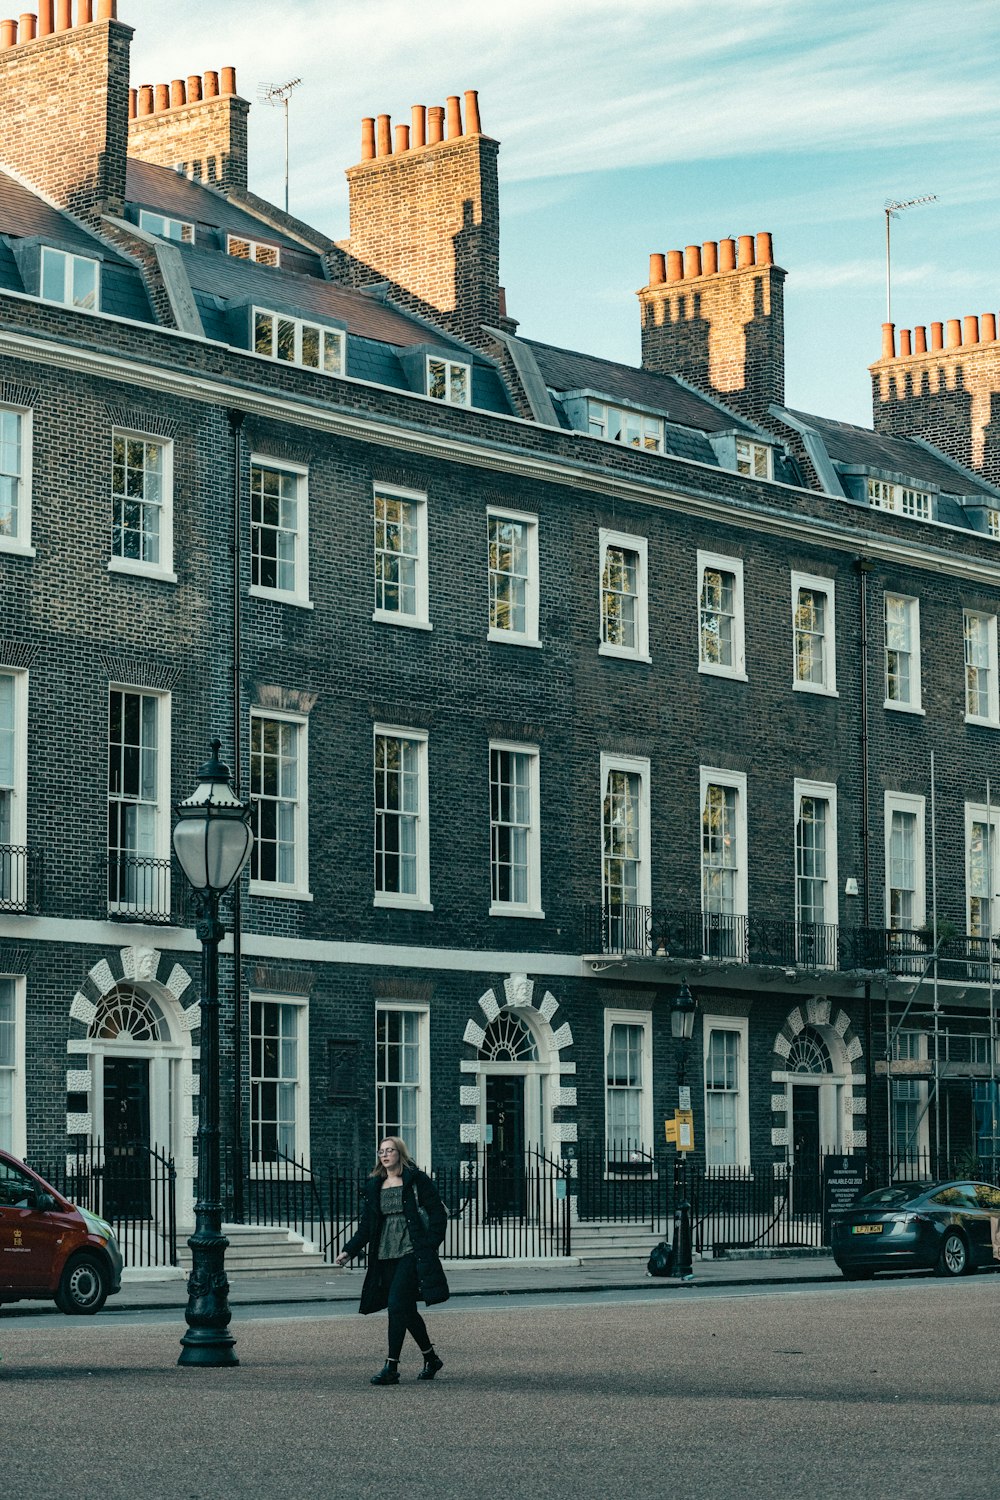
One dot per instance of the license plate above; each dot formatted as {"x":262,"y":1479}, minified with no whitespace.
{"x":866,"y":1228}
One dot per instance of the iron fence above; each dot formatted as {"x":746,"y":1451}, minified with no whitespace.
{"x":142,"y":888}
{"x":281,"y":1191}
{"x":20,"y":879}
{"x":133,"y":1187}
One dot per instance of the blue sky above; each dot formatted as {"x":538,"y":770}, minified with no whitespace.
{"x":650,"y":124}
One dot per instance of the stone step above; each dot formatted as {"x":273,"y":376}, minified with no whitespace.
{"x":261,"y":1249}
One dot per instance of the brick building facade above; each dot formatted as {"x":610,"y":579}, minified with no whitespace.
{"x":655,"y":679}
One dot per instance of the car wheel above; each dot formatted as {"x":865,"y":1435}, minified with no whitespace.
{"x":954,"y":1257}
{"x":83,"y":1287}
{"x":857,"y":1273}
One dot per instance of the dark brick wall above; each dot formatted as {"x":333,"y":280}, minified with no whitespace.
{"x":950,"y":396}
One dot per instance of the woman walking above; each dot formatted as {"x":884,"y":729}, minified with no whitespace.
{"x":402,"y":1222}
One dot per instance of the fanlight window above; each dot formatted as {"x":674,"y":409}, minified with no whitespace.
{"x":125,"y":1016}
{"x":508,"y":1039}
{"x":809,"y":1054}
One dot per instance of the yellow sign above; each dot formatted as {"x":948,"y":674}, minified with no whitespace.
{"x":670,"y":1131}
{"x":680,"y":1130}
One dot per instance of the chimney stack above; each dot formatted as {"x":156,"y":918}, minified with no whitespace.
{"x":199,"y":123}
{"x":714,"y":314}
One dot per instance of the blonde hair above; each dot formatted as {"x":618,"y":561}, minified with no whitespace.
{"x":405,"y":1159}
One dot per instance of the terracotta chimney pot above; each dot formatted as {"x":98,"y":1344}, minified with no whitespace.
{"x":418,"y":126}
{"x":64,"y":15}
{"x":970,"y":329}
{"x":194,"y":88}
{"x":937,"y":336}
{"x":472,"y":125}
{"x":989,"y":328}
{"x":709,"y":258}
{"x":765,"y":249}
{"x":454,"y":116}
{"x":954,"y":337}
{"x":85,"y":12}
{"x":133,"y":103}
{"x":904,"y":343}
{"x":27,"y":28}
{"x":435,"y":125}
{"x":161,"y":98}
{"x":227,"y":80}
{"x":920,"y":339}
{"x":888,"y":341}
{"x":727,"y":255}
{"x":107,"y":10}
{"x":675,"y":265}
{"x":46,"y":25}
{"x":368,"y":138}
{"x":211,"y":85}
{"x":657,"y":269}
{"x":178,"y":93}
{"x":692,"y":261}
{"x":402,"y":138}
{"x":8,"y":34}
{"x":384,"y":135}
{"x":745,"y":257}
{"x":146,"y":99}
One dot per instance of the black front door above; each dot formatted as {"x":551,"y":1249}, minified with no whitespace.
{"x":126,"y":1138}
{"x":504,"y":1145}
{"x":805,"y":1149}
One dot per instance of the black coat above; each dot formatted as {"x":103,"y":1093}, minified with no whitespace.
{"x":418,"y":1190}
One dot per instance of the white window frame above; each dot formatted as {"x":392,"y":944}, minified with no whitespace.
{"x":820,"y":791}
{"x":529,"y":635}
{"x":740,"y":1026}
{"x":164,"y":568}
{"x":825,"y":586}
{"x":642,"y":1018}
{"x":161,"y":820}
{"x":19,"y":540}
{"x":449,"y":366}
{"x":610,"y":422}
{"x":422,"y":1154}
{"x":69,"y":262}
{"x":917,"y":1050}
{"x":420,"y":900}
{"x":992,"y":716}
{"x":903,"y":499}
{"x":737,"y":782}
{"x":165,"y":227}
{"x":627,"y":542}
{"x":912,"y":704}
{"x":717,"y":562}
{"x":748,"y":453}
{"x":335,"y":336}
{"x":299,"y":594}
{"x":300,"y":1005}
{"x":977,"y":812}
{"x":19,"y":786}
{"x":296,"y":889}
{"x":630,"y":765}
{"x":257,"y":250}
{"x":419,"y":617}
{"x":905,"y":802}
{"x":532,"y":906}
{"x":19,"y":1129}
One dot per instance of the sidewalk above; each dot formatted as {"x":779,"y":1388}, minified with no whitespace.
{"x":466,"y":1279}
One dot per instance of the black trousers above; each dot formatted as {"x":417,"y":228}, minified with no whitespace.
{"x":401,"y":1287}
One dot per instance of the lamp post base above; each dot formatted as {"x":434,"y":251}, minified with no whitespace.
{"x":208,"y":1340}
{"x":207,"y":1347}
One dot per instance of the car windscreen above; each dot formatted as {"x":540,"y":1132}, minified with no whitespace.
{"x":891,"y":1197}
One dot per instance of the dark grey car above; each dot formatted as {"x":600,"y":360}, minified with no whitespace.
{"x":949,"y":1227}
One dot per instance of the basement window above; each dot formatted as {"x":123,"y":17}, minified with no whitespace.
{"x":900,"y":498}
{"x":296,"y":342}
{"x":167,"y":229}
{"x":73,"y":280}
{"x":448,"y":381}
{"x":264,"y":255}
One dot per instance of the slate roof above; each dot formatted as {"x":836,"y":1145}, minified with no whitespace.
{"x":847,"y":444}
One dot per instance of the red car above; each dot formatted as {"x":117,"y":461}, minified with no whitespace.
{"x":48,"y":1248}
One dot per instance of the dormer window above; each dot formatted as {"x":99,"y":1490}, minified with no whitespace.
{"x":753,"y":459}
{"x":900,"y":498}
{"x":993,"y":522}
{"x":448,"y":381}
{"x":296,"y":342}
{"x":73,"y":280}
{"x":244,"y":249}
{"x":167,"y":229}
{"x":620,"y":425}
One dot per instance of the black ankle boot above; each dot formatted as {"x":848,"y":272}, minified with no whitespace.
{"x":432,"y":1363}
{"x":388,"y":1375}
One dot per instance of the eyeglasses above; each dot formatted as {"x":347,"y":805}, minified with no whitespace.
{"x":387,"y":1151}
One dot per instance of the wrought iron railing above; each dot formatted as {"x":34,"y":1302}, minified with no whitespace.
{"x":142,"y":889}
{"x":133,"y":1186}
{"x":20,"y":879}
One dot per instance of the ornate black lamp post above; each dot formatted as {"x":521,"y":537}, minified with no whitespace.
{"x":212,"y":842}
{"x":682,"y":1012}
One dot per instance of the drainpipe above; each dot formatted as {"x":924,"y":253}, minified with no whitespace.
{"x":236,"y":427}
{"x":864,"y":567}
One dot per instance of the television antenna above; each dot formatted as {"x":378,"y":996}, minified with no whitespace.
{"x":278,"y":95}
{"x":892,"y":211}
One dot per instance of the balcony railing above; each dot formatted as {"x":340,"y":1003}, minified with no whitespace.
{"x":140,"y":888}
{"x":645,"y":931}
{"x":19,"y":879}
